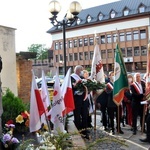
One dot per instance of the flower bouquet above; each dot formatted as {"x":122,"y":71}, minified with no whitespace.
{"x":91,"y":85}
{"x":22,"y":122}
{"x":8,"y":141}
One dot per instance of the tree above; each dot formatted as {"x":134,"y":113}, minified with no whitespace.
{"x":42,"y":52}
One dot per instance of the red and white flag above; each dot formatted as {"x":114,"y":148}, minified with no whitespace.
{"x":45,"y":97}
{"x":58,"y":107}
{"x":45,"y":93}
{"x":66,"y":90}
{"x":97,"y":71}
{"x":36,"y":107}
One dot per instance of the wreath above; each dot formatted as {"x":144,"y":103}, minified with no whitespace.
{"x":91,"y":85}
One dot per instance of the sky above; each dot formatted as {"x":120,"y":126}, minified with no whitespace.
{"x":30,"y":18}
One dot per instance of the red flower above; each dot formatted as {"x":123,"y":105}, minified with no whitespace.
{"x":24,"y":115}
{"x":9,"y":122}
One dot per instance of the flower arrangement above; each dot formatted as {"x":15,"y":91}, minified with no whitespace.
{"x":22,"y":122}
{"x":9,"y":142}
{"x":91,"y":85}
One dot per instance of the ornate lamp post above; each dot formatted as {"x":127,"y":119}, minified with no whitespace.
{"x":69,"y":19}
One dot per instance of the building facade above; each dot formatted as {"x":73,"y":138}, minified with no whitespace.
{"x":8,"y":54}
{"x":126,"y":19}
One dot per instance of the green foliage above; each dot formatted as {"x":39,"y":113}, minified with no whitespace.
{"x":12,"y":106}
{"x":42,"y":52}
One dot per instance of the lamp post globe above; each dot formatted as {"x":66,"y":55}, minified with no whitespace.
{"x":54,"y":7}
{"x":75,"y":8}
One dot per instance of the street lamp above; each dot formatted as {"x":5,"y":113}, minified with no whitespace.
{"x":68,"y":20}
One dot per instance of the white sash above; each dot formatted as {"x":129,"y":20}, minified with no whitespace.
{"x":76,"y":77}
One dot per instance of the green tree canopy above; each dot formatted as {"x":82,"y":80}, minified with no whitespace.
{"x":42,"y":52}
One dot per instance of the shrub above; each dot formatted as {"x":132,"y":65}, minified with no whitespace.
{"x":12,"y":106}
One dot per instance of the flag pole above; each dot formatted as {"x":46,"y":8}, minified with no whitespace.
{"x":95,"y":42}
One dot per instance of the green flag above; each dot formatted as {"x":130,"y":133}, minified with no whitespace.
{"x":120,"y":79}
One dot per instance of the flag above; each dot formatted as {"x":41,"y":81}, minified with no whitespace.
{"x":36,"y":106}
{"x":148,"y":74}
{"x":120,"y":77}
{"x":45,"y":97}
{"x":57,"y":107}
{"x":97,"y":71}
{"x":45,"y":93}
{"x":66,"y":90}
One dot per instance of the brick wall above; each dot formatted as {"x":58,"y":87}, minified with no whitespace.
{"x":24,"y":78}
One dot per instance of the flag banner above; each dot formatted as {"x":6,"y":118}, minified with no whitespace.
{"x":97,"y":71}
{"x":66,"y":90}
{"x":45,"y":93}
{"x":120,"y":77}
{"x":45,"y":97}
{"x":58,"y":106}
{"x":148,"y":74}
{"x":36,"y":106}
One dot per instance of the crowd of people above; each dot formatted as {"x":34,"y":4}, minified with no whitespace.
{"x":112,"y":116}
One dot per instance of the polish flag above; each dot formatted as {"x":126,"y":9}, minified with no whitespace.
{"x":67,"y":94}
{"x":45,"y":93}
{"x":36,"y":107}
{"x":45,"y":97}
{"x":57,"y":107}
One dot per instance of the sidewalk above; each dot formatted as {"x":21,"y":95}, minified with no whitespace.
{"x":131,"y":140}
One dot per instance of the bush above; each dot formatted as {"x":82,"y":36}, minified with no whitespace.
{"x":12,"y":106}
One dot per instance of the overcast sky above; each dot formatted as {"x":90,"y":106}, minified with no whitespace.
{"x":30,"y":19}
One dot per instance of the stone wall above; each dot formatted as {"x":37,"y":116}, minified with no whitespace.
{"x":24,"y":79}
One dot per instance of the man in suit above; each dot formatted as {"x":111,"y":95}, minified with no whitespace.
{"x":81,"y":105}
{"x":137,"y":90}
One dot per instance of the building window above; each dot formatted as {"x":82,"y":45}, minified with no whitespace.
{"x":91,"y":41}
{"x":123,"y":52}
{"x":109,"y":38}
{"x":142,"y":34}
{"x":112,"y":14}
{"x":89,"y":19}
{"x":80,"y":42}
{"x":78,"y":21}
{"x":80,"y":56}
{"x":70,"y":44}
{"x":75,"y":56}
{"x":57,"y":60}
{"x":71,"y":57}
{"x":100,"y":17}
{"x":109,"y":53}
{"x":126,"y":12}
{"x":143,"y":65}
{"x":114,"y":37}
{"x":60,"y":57}
{"x":138,"y":66}
{"x":135,"y":35}
{"x":141,"y":9}
{"x":129,"y":51}
{"x":86,"y":56}
{"x":91,"y":54}
{"x":103,"y":54}
{"x":143,"y":50}
{"x":102,"y":39}
{"x":128,"y":36}
{"x":136,"y":51}
{"x":56,"y":46}
{"x":75,"y":43}
{"x":85,"y":42}
{"x":60,"y":45}
{"x":122,"y":37}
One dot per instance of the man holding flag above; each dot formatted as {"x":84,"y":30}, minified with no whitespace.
{"x":120,"y":81}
